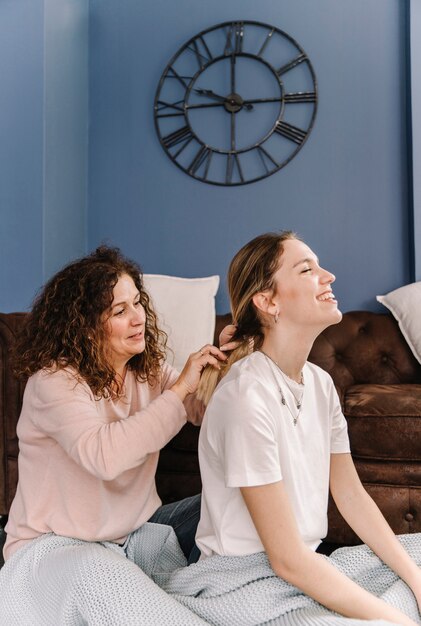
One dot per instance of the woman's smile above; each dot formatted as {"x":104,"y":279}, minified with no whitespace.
{"x":327,"y":296}
{"x":136,"y":336}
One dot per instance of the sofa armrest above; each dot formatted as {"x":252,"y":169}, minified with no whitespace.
{"x":11,"y":392}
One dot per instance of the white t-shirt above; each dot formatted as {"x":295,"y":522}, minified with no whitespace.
{"x":248,"y":438}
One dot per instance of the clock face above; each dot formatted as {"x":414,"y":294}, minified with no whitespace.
{"x":236,"y":103}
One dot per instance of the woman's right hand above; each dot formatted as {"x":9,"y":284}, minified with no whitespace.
{"x":189,"y":379}
{"x":225,"y":338}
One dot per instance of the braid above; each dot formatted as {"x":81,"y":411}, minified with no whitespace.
{"x":251,"y":271}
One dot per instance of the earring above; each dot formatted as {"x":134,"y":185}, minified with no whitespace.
{"x":276,"y":317}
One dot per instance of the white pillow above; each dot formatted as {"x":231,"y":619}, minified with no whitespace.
{"x":186,"y":312}
{"x":405,"y":305}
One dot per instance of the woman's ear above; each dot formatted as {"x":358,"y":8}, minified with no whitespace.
{"x":260,"y":301}
{"x":264,"y":303}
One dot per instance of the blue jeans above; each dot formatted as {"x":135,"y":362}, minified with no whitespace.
{"x":183,"y":516}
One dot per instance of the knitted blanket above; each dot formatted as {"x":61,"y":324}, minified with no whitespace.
{"x":59,"y":581}
{"x":244,"y":591}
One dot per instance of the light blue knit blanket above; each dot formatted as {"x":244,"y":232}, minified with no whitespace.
{"x":59,"y":581}
{"x":244,"y":591}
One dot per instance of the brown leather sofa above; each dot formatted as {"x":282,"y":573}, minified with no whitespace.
{"x":379,"y":383}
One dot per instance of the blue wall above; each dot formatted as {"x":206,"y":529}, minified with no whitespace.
{"x":43,"y":142}
{"x":66,"y":92}
{"x":345,"y":192}
{"x":21,"y":151}
{"x":415,"y":107}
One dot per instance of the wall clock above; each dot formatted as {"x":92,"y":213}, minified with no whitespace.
{"x":236,"y":103}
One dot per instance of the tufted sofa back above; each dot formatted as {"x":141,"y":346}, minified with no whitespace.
{"x":365,"y":348}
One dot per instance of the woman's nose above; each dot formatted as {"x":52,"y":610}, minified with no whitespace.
{"x":138,"y":316}
{"x":328,"y":277}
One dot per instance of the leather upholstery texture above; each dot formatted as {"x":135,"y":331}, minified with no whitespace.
{"x":379,"y":382}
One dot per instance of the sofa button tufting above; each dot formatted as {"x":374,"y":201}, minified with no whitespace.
{"x":385,"y":358}
{"x":409,"y":517}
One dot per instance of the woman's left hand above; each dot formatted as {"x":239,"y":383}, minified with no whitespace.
{"x":188,"y":381}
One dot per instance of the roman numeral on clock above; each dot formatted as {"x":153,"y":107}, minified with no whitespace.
{"x":176,"y":108}
{"x":203,"y":155}
{"x":266,"y":159}
{"x":290,"y":132}
{"x":266,"y":41}
{"x":232,"y":162}
{"x":235,"y":37}
{"x":172,"y":73}
{"x":300,"y":96}
{"x":201,"y":51}
{"x":183,"y":135}
{"x":288,"y":66}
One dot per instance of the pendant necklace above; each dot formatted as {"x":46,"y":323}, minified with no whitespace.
{"x":298,"y":401}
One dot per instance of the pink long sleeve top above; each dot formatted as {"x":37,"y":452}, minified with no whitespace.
{"x":86,"y":466}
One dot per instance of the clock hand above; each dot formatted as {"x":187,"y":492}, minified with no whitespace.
{"x":259,"y":100}
{"x":232,"y":73}
{"x":210,"y":94}
{"x":214,"y":96}
{"x":233,"y":114}
{"x":205,"y":105}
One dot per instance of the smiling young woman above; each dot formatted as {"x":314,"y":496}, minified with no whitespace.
{"x":274,"y":439}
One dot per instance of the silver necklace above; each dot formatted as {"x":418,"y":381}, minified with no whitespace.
{"x":298,"y":401}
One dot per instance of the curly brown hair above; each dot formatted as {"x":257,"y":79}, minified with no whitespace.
{"x":66,"y":324}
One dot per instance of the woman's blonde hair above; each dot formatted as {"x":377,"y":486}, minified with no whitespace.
{"x":251,"y":271}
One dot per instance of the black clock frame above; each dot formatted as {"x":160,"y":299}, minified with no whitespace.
{"x":232,"y":103}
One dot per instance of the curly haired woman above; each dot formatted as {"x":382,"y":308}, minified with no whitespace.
{"x":99,"y":404}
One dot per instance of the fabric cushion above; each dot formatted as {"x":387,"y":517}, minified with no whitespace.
{"x":186,"y":312}
{"x":405,"y":305}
